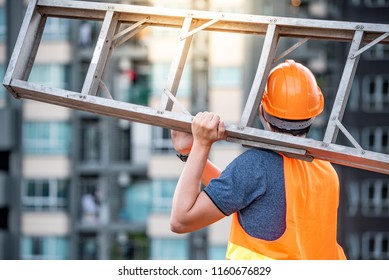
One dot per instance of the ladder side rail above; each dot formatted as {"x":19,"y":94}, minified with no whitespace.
{"x":335,"y":153}
{"x":101,"y":54}
{"x":26,"y":46}
{"x":177,"y":67}
{"x":229,"y":22}
{"x":250,"y":110}
{"x":348,"y":156}
{"x":344,"y":89}
{"x":94,"y":9}
{"x":102,"y":106}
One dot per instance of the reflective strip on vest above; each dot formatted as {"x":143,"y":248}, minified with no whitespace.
{"x":236,"y":252}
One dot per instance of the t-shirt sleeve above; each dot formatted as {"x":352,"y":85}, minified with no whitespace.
{"x":242,"y":182}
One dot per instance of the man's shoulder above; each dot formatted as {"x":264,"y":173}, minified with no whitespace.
{"x":258,"y":158}
{"x":262,"y":153}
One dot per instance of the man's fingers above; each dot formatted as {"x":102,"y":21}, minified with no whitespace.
{"x":221,"y":131}
{"x":207,"y":125}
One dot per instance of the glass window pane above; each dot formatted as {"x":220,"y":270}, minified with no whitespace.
{"x":169,"y":249}
{"x":45,"y":193}
{"x":62,"y":188}
{"x":2,"y":23}
{"x":3,"y":92}
{"x":90,"y":140}
{"x":226,"y":76}
{"x":37,"y":246}
{"x":375,"y":97}
{"x":26,"y":248}
{"x":61,"y":248}
{"x":162,"y":195}
{"x":56,"y":29}
{"x":47,"y":138}
{"x":159,"y":76}
{"x":137,"y":202}
{"x":45,"y":189}
{"x":45,"y":247}
{"x":217,"y":252}
{"x":31,"y":188}
{"x":53,"y":75}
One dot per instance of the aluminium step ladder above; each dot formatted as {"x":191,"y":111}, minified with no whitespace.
{"x":362,"y":36}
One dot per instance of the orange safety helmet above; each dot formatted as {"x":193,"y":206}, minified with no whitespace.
{"x":292,"y":93}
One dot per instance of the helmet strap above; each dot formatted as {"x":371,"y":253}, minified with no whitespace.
{"x":287,"y":124}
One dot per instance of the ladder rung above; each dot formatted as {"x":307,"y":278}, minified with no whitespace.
{"x":263,"y":70}
{"x":100,"y":55}
{"x":343,"y":89}
{"x":177,"y":67}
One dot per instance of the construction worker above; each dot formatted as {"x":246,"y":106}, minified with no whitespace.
{"x":281,"y":207}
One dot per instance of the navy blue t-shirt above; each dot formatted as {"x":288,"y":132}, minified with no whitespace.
{"x":253,"y":185}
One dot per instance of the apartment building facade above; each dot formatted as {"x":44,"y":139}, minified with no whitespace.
{"x":365,"y":200}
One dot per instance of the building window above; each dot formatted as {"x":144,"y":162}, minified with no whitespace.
{"x":377,"y":52}
{"x":162,"y":195}
{"x":45,"y":194}
{"x":48,"y":138}
{"x":375,"y":198}
{"x":161,"y":140}
{"x":45,"y":248}
{"x":353,"y":198}
{"x":375,"y":97}
{"x":2,"y":24}
{"x":169,"y":249}
{"x":376,"y":3}
{"x":375,"y":246}
{"x":136,"y":204}
{"x":130,"y":246}
{"x":353,"y":103}
{"x":90,"y":140}
{"x":88,"y":247}
{"x":86,"y":34}
{"x":90,"y":199}
{"x":121,"y":151}
{"x":376,"y":139}
{"x":54,"y":75}
{"x":159,"y":76}
{"x":371,"y":3}
{"x":217,"y":252}
{"x":133,"y":85}
{"x":3,"y":92}
{"x":56,"y":29}
{"x":226,"y":77}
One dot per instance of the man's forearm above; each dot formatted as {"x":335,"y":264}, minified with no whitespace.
{"x":188,"y":186}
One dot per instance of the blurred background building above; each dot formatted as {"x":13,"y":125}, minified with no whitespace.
{"x":75,"y":185}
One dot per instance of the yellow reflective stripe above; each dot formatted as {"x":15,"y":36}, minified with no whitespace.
{"x":236,"y":252}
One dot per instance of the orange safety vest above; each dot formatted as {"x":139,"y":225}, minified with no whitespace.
{"x":312,"y":197}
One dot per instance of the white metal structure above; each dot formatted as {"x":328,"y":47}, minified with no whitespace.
{"x":362,"y":36}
